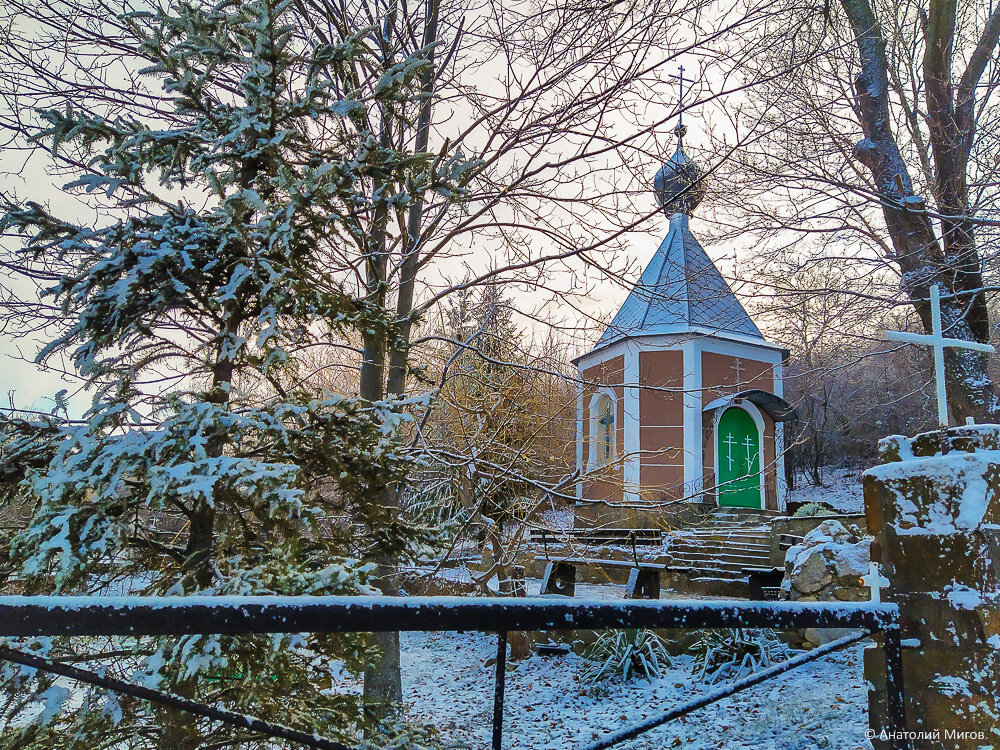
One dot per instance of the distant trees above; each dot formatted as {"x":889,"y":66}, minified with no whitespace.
{"x":504,"y":422}
{"x":847,"y":390}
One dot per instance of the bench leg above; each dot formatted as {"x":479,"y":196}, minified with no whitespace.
{"x":514,"y":585}
{"x":559,"y":578}
{"x":643,"y":584}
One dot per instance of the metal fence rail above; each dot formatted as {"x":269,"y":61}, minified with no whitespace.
{"x":139,"y":616}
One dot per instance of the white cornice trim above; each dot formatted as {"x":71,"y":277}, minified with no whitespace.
{"x":675,"y":339}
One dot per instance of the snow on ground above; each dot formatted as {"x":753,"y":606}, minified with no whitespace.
{"x":448,"y":683}
{"x":841,"y":490}
{"x":557,"y":519}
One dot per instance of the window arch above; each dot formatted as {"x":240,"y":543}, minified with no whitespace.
{"x":603,"y":415}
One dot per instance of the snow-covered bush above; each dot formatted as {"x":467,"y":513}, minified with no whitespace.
{"x":814,"y":509}
{"x":731,"y":653}
{"x":623,"y":654}
{"x":433,"y":505}
{"x":435,"y":510}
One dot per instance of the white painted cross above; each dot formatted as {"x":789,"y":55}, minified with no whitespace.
{"x":937,"y":341}
{"x":730,"y":441}
{"x":875,"y":581}
{"x":751,"y":455}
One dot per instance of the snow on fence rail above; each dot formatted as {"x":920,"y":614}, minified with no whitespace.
{"x":229,"y":615}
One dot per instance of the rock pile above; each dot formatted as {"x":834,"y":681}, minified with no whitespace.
{"x":828,"y":565}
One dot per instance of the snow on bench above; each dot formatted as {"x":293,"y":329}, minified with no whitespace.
{"x":643,"y":537}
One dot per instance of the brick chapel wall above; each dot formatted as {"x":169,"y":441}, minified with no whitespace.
{"x":719,"y":379}
{"x":661,"y":423}
{"x":610,"y":373}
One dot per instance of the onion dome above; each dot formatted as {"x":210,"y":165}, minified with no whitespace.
{"x":679,"y":185}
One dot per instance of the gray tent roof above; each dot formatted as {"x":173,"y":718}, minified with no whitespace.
{"x":681,"y":290}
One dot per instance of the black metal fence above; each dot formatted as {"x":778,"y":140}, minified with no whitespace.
{"x":137,"y":616}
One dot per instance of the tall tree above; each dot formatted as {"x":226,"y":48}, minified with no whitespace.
{"x":205,"y":461}
{"x":945,"y":255}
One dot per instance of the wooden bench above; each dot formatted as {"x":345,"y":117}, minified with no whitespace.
{"x":514,"y":584}
{"x":637,"y":537}
{"x":765,"y":582}
{"x":643,"y":578}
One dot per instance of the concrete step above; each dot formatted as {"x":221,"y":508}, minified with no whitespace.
{"x":729,"y":549}
{"x":763,"y":528}
{"x":750,"y":558}
{"x":729,"y":588}
{"x":724,"y":537}
{"x":755,"y":524}
{"x":745,"y":512}
{"x":720,"y":542}
{"x":707,"y":568}
{"x":752,"y":530}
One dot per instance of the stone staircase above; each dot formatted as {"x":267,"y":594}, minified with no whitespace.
{"x":710,"y":559}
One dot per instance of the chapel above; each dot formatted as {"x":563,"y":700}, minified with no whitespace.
{"x":681,"y":396}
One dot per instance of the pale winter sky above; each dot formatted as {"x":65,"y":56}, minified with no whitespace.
{"x":583,"y":294}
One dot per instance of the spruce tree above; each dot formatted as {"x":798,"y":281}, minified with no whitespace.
{"x":206,"y":464}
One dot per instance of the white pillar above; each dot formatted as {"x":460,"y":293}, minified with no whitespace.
{"x":692,"y":415}
{"x":779,"y":445}
{"x":631,"y":466}
{"x":579,"y":436}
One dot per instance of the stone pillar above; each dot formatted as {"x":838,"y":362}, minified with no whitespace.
{"x":933,"y":508}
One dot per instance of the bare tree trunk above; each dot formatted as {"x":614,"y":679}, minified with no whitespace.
{"x":922,"y":260}
{"x":383,"y":691}
{"x":399,"y":352}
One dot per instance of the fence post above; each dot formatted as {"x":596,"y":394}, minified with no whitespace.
{"x":895,"y":700}
{"x":934,"y":508}
{"x":498,"y":688}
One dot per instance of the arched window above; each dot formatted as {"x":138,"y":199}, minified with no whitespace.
{"x":602,"y":430}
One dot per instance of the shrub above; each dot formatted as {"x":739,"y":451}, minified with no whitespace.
{"x":626,"y":653}
{"x":732,"y":653}
{"x":814,"y":509}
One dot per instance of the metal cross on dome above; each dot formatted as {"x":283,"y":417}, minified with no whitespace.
{"x":680,"y":80}
{"x":937,"y":341}
{"x":679,"y":129}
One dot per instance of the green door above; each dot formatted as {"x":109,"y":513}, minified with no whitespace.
{"x":737,"y":444}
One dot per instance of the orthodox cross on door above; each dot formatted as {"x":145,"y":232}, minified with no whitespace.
{"x":751,"y":453}
{"x":937,"y":341}
{"x":730,"y":441}
{"x":739,"y":369}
